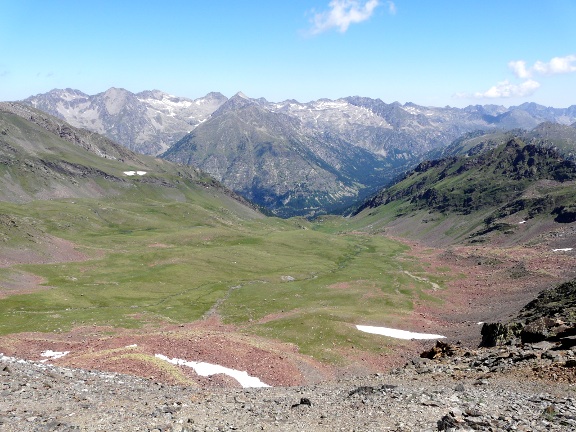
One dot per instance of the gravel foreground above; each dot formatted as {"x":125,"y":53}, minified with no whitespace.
{"x":528,"y":388}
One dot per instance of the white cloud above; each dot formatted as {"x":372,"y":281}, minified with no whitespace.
{"x":557,"y":65}
{"x":342,"y":13}
{"x":506,"y":89}
{"x":519,"y":68}
{"x":392,"y":8}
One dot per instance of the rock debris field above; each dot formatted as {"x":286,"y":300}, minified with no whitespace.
{"x":512,"y":388}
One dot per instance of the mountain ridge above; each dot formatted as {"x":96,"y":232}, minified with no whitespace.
{"x":147,"y":122}
{"x":474,"y":196}
{"x":328,"y":152}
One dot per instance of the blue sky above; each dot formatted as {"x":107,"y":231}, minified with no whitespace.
{"x":438,"y":53}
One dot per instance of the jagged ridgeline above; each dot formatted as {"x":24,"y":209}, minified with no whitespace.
{"x":266,"y":157}
{"x":510,"y":178}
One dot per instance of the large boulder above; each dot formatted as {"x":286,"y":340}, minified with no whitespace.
{"x":549,"y":317}
{"x":496,"y":334}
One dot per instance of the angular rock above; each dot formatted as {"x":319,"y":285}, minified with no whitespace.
{"x":496,"y":334}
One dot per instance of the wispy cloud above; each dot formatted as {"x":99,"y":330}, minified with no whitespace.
{"x":392,"y":8}
{"x":342,"y":13}
{"x":521,"y":69}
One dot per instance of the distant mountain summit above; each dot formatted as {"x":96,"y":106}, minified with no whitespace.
{"x":275,"y":160}
{"x":44,"y":158}
{"x":148,"y":122}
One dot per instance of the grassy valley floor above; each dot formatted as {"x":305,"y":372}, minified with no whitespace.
{"x":117,"y":282}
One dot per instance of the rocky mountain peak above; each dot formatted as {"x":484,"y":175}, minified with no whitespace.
{"x":236,"y":102}
{"x":114,"y":100}
{"x":148,"y":122}
{"x":215,"y":96}
{"x":152,"y":94}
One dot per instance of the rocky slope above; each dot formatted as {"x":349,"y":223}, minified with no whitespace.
{"x":548,"y":320}
{"x":528,"y":388}
{"x":43,"y":157}
{"x":494,"y":190}
{"x":273,"y":159}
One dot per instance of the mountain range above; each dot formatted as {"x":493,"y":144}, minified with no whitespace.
{"x":289,"y":157}
{"x":513,"y":187}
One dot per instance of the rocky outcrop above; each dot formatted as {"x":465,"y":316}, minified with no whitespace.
{"x":550,"y":317}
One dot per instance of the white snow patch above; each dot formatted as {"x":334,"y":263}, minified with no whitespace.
{"x":398,"y":334}
{"x":480,"y":322}
{"x":169,"y":101}
{"x":12,"y":359}
{"x":562,"y":250}
{"x":132,"y":173}
{"x":207,"y":369}
{"x":411,"y":110}
{"x":521,"y":222}
{"x":53,"y":355}
{"x":131,"y":346}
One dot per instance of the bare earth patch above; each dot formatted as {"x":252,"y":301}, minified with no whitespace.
{"x":45,"y":250}
{"x":19,"y":282}
{"x":133,"y":351}
{"x":487,"y":284}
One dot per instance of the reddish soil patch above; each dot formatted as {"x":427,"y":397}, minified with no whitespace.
{"x":133,"y":352}
{"x":488,"y":284}
{"x":45,"y":250}
{"x":20,"y":283}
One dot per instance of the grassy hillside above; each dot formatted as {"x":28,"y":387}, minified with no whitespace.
{"x":44,"y":158}
{"x":473,"y":194}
